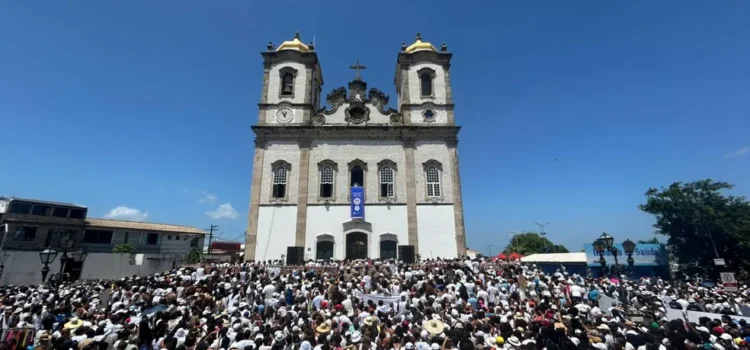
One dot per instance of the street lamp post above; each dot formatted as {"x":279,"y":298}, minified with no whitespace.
{"x":599,"y":248}
{"x":47,"y":256}
{"x":609,"y":245}
{"x":629,"y":247}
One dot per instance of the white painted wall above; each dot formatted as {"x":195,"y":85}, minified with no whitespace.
{"x":278,"y":150}
{"x":276,"y":229}
{"x":438,"y":84}
{"x":423,"y":152}
{"x":416,"y":117}
{"x":24,"y":267}
{"x":342,"y":153}
{"x":320,"y":221}
{"x":437,"y":231}
{"x":274,"y":83}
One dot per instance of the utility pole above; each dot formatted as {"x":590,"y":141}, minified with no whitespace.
{"x":489,"y":250}
{"x":541,"y":228}
{"x":211,"y":236}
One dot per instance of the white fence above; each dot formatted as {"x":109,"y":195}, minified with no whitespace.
{"x":24,"y":268}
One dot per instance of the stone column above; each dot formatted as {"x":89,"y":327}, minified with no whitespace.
{"x":304,"y":177}
{"x":411,"y":195}
{"x":458,"y":205}
{"x":255,"y":187}
{"x":264,"y":94}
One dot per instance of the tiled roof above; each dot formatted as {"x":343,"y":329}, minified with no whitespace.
{"x":143,"y":226}
{"x":36,"y":201}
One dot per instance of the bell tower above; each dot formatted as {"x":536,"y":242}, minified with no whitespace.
{"x":423,"y":83}
{"x":292,"y":81}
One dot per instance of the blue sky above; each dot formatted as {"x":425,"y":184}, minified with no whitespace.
{"x":147,"y":104}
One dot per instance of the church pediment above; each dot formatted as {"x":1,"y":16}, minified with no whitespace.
{"x":357,"y":106}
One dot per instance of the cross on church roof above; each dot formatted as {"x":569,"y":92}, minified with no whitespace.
{"x":356,"y":68}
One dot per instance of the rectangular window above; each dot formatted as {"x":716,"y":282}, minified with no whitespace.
{"x":169,"y":237}
{"x":152,"y":239}
{"x":433,"y":182}
{"x":60,"y":212}
{"x":326,"y":182}
{"x":77,"y":213}
{"x":126,"y":237}
{"x":97,"y":237}
{"x":24,"y":233}
{"x":20,"y":208}
{"x":194,"y":242}
{"x":386,"y":182}
{"x":41,"y":210}
{"x":279,"y":182}
{"x":53,"y":238}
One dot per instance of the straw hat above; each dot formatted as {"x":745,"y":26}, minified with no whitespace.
{"x":74,"y":324}
{"x":324,"y":328}
{"x":513,"y":341}
{"x":434,"y":326}
{"x":370,"y":320}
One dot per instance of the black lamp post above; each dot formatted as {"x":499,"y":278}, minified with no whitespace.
{"x":609,"y":245}
{"x":599,"y":248}
{"x":67,"y":245}
{"x":629,"y":247}
{"x":47,"y":256}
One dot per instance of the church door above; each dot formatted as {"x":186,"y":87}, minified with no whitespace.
{"x":324,"y":250}
{"x":356,"y":246}
{"x":388,"y":249}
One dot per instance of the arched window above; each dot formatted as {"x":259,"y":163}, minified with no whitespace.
{"x":388,"y":249}
{"x":326,"y":182}
{"x":279,"y":182}
{"x":287,"y":84}
{"x":426,"y":77}
{"x":433,"y":181}
{"x":386,"y":182}
{"x":287,"y":76}
{"x":358,"y":176}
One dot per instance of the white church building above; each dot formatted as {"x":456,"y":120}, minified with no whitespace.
{"x":354,"y":178}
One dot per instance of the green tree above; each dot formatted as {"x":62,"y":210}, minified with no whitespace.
{"x":653,"y":240}
{"x":532,"y":243}
{"x":125,"y":248}
{"x":702,"y":223}
{"x":194,"y":256}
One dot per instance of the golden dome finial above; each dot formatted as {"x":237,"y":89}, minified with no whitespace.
{"x":419,"y":45}
{"x":295,"y":44}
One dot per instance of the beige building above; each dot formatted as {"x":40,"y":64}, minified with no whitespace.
{"x":34,"y":225}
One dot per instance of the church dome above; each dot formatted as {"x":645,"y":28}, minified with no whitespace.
{"x":294,"y":44}
{"x":420,"y":45}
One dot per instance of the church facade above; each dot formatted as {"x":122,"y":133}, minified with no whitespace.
{"x":356,"y":178}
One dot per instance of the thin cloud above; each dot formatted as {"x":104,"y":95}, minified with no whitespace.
{"x":207,"y":198}
{"x":224,"y":211}
{"x":740,"y":152}
{"x":125,"y":213}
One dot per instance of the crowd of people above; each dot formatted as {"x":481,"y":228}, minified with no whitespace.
{"x":370,"y":305}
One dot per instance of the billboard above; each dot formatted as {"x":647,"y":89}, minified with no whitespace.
{"x":358,"y":202}
{"x":644,"y":255}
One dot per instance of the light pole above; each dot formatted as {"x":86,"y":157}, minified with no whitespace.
{"x":47,"y":256}
{"x":489,"y":249}
{"x":629,"y":247}
{"x":67,"y":245}
{"x":599,"y":248}
{"x":609,"y":245}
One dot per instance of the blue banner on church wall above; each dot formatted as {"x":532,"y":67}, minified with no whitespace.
{"x":358,"y":202}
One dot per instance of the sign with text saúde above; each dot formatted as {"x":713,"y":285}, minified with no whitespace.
{"x":729,"y":282}
{"x":358,"y":202}
{"x":643,"y":255}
